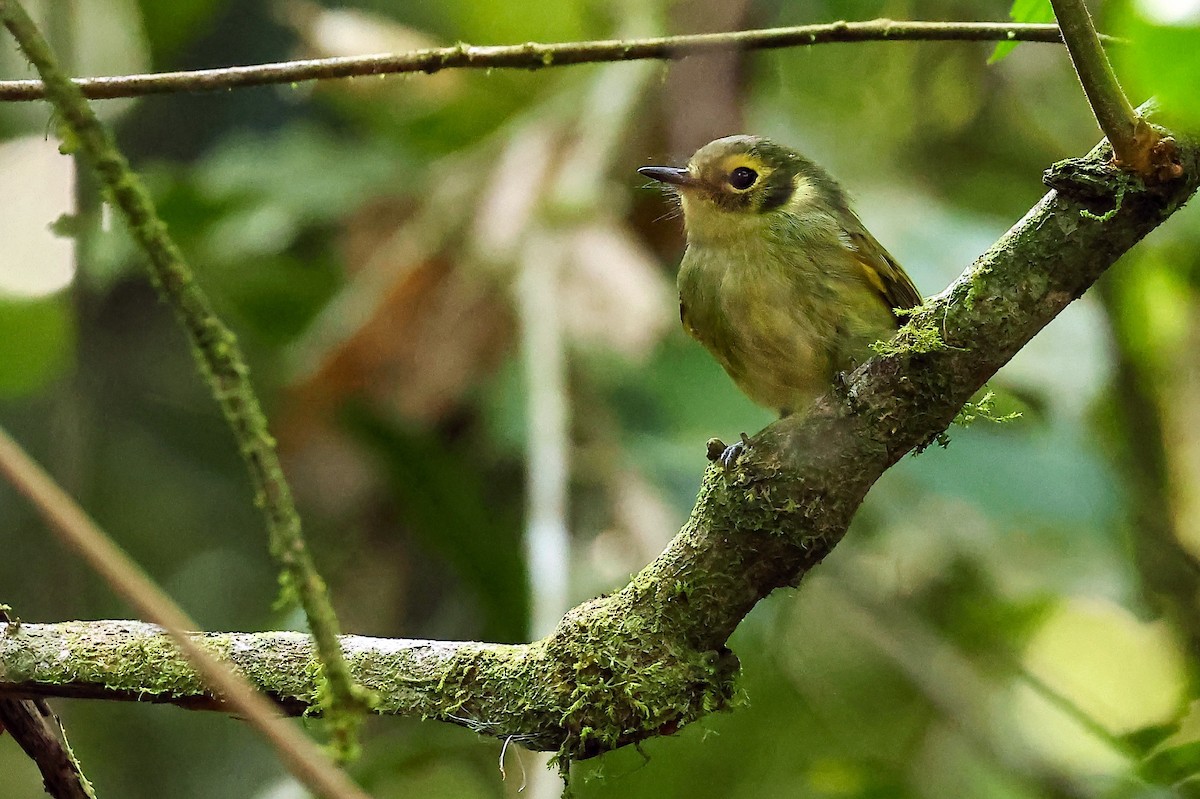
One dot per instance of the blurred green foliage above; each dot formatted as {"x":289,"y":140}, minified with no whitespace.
{"x":171,"y":27}
{"x":1163,"y":57}
{"x":37,"y":343}
{"x":349,"y":229}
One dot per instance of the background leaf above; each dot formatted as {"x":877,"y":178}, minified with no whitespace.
{"x":1023,"y":11}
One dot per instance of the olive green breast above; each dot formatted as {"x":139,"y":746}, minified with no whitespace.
{"x":781,"y":310}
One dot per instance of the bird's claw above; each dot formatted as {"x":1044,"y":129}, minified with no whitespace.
{"x":731,"y":454}
{"x":841,"y":383}
{"x":727,"y":456}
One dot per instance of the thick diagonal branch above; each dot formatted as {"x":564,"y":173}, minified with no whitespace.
{"x":651,"y":657}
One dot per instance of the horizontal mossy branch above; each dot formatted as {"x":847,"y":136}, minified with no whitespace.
{"x":651,"y":657}
{"x":522,"y":691}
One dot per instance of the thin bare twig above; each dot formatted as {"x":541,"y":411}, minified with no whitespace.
{"x":38,"y":732}
{"x":77,"y":531}
{"x":533,"y":56}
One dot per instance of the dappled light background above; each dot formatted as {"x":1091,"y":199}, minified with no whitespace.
{"x":458,"y":301}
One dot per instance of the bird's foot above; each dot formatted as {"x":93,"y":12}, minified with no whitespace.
{"x":727,"y":456}
{"x":843,"y":391}
{"x":841,"y":383}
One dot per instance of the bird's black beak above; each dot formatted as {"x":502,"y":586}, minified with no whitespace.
{"x":668,"y":174}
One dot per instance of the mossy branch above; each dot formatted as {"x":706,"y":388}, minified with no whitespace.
{"x":651,"y":657}
{"x":535,"y":56}
{"x":220,"y":359}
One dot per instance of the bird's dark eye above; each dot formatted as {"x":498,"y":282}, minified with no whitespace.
{"x":742,"y":178}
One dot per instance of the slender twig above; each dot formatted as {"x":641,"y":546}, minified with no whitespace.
{"x":40,"y":735}
{"x":1062,"y":702}
{"x":534,"y":56}
{"x":221,"y":363}
{"x":959,"y":690}
{"x":1113,"y":110}
{"x":1136,"y":145}
{"x":78,"y":532}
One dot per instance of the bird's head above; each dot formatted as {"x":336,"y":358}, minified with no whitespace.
{"x":739,"y":184}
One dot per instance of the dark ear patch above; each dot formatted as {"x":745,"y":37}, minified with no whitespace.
{"x":777,"y":191}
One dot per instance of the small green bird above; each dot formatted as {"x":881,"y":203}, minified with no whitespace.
{"x":780,"y":281}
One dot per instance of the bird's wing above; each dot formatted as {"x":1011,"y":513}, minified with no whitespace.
{"x":881,"y":269}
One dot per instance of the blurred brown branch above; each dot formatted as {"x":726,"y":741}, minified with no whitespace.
{"x":534,"y":56}
{"x":651,"y":658}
